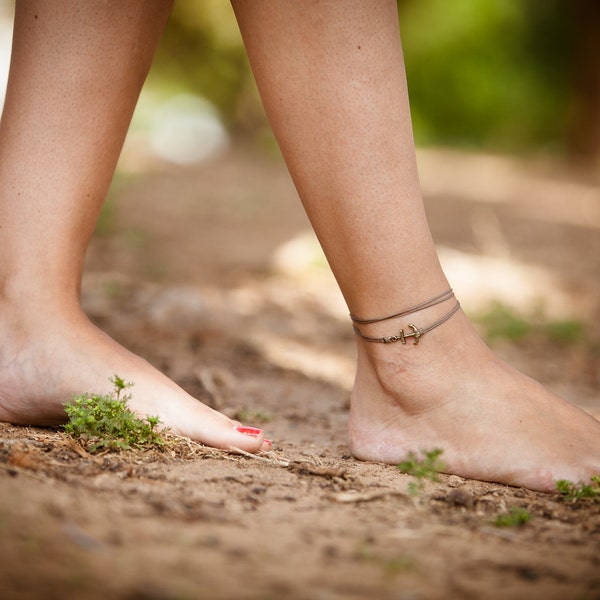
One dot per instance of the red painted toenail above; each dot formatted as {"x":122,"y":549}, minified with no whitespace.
{"x":252,"y":431}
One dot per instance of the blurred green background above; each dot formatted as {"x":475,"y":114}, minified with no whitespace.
{"x":501,"y":75}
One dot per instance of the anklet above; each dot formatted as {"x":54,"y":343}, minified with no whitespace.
{"x":427,"y":304}
{"x":417,"y":332}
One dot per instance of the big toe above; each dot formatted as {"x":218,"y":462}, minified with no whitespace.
{"x":243,"y":437}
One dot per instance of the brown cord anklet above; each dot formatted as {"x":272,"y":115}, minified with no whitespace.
{"x":417,"y":332}
{"x":427,"y":304}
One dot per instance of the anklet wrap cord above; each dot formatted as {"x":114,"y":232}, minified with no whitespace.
{"x":417,"y":332}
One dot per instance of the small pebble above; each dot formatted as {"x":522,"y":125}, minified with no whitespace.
{"x":455,"y":481}
{"x":460,"y":497}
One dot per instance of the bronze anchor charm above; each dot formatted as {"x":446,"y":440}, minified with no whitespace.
{"x":416,"y":333}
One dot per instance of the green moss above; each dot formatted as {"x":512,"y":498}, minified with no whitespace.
{"x":515,"y":517}
{"x":573,"y":492}
{"x":423,"y":468}
{"x":106,"y":422}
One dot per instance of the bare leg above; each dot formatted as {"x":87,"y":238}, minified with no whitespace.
{"x":332,"y":80}
{"x":76,"y":72}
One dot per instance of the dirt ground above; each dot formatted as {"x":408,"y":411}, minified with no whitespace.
{"x":210,"y":274}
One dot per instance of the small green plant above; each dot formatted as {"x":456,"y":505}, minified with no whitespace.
{"x":503,"y":322}
{"x":568,"y":331}
{"x":515,"y":517}
{"x":390,"y":566}
{"x":572,"y":492}
{"x":423,"y":468}
{"x":106,"y":422}
{"x":248,"y":416}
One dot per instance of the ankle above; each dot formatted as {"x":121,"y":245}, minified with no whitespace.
{"x":414,"y":377}
{"x":24,"y":301}
{"x":414,"y":338}
{"x":364,"y":328}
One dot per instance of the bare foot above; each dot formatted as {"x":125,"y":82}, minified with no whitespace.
{"x":43,"y":363}
{"x":451,"y":392}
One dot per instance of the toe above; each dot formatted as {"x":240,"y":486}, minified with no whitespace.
{"x":249,"y":439}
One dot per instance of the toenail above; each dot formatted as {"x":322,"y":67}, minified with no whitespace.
{"x":251,"y":431}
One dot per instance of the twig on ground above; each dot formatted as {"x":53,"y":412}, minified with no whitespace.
{"x":268,"y":459}
{"x":355,"y":497}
